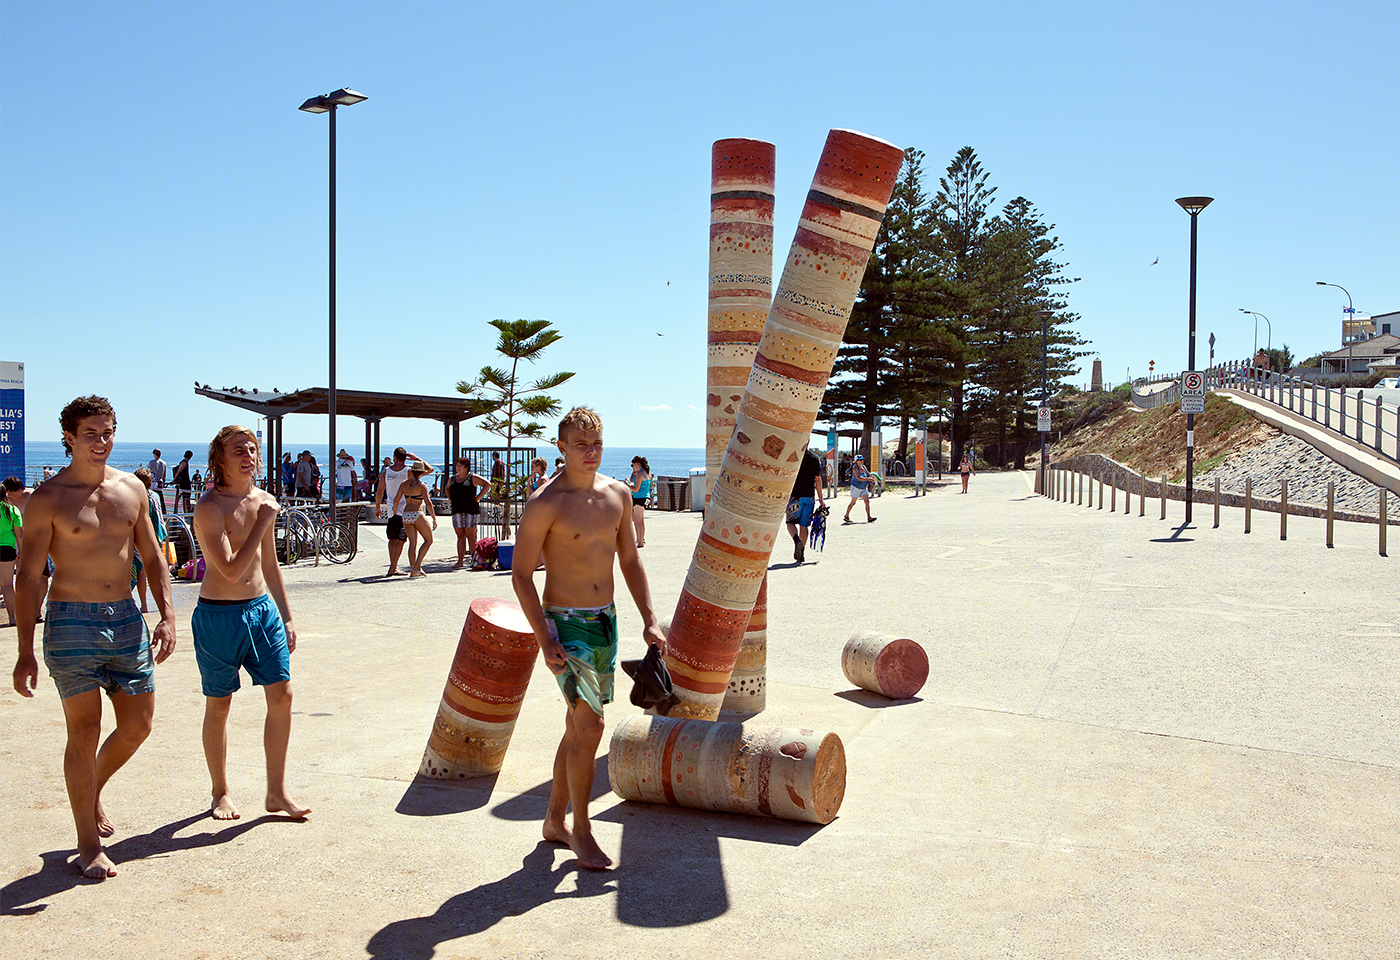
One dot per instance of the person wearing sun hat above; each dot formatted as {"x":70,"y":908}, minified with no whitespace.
{"x":860,"y":489}
{"x":345,"y":478}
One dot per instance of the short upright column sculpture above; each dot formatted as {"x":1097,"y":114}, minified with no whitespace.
{"x":811,"y":308}
{"x":783,"y":772}
{"x":895,"y":667}
{"x":742,"y":174}
{"x":489,"y":676}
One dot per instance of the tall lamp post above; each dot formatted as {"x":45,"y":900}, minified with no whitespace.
{"x":1193,"y":206}
{"x":327,"y":104}
{"x":1351,"y":311}
{"x":1269,"y":327}
{"x":1044,"y":391}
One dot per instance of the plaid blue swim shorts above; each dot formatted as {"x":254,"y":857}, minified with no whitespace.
{"x":98,"y":646}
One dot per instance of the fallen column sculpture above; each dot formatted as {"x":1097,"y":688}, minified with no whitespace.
{"x":481,"y":702}
{"x":894,"y":667}
{"x":784,"y":772}
{"x":822,"y":274}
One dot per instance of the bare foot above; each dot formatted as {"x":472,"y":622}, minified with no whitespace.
{"x":98,"y":867}
{"x":224,"y":809}
{"x":394,"y":572}
{"x":285,"y":804}
{"x":416,"y":574}
{"x":458,"y":565}
{"x":556,"y":832}
{"x":590,"y":855}
{"x":104,"y":825}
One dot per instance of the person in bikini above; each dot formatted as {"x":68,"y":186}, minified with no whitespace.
{"x":242,"y":619}
{"x":90,"y":518}
{"x":417,"y":511}
{"x":578,"y":523}
{"x":391,"y":477}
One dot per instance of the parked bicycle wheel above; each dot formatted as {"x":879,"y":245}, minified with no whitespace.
{"x":335,"y":544}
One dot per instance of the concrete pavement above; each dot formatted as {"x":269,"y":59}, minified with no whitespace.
{"x":1136,"y":740}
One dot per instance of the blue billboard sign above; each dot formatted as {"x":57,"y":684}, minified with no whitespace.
{"x":11,"y":419}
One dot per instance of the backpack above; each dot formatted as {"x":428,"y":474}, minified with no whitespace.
{"x":484,"y":554}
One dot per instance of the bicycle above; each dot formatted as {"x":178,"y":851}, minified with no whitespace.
{"x":300,"y":534}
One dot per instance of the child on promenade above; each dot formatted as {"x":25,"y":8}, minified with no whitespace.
{"x":242,"y":618}
{"x":579,"y":522}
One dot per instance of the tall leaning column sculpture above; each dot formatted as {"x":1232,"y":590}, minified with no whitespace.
{"x":808,"y":317}
{"x":742,"y":177}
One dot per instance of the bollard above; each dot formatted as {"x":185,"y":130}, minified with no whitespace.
{"x":1217,"y":503}
{"x":1100,"y":493}
{"x":1384,"y":521}
{"x":1112,"y":493}
{"x":1081,"y":490}
{"x":1164,"y":496}
{"x":1248,"y":501}
{"x":894,"y":667}
{"x":1128,"y":495}
{"x":1331,"y":492}
{"x":1142,"y":495}
{"x":780,"y":772}
{"x":1283,"y":509}
{"x":485,"y":686}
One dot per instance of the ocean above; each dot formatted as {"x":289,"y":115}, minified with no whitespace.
{"x":617,"y":461}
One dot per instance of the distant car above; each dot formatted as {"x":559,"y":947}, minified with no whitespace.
{"x":1389,"y":383}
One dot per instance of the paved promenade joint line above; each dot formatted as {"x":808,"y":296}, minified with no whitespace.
{"x":1135,"y":740}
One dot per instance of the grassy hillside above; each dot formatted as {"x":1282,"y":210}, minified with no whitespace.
{"x":1153,"y":442}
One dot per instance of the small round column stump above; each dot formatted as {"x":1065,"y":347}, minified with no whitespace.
{"x":489,"y":676}
{"x":893,"y":667}
{"x":782,"y":772}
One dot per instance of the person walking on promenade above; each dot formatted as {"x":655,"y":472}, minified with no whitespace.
{"x":344,"y":477}
{"x":579,"y":523}
{"x":183,"y":484}
{"x":463,"y":494}
{"x":640,"y":485}
{"x":89,"y":519}
{"x":306,"y":482}
{"x":158,"y":469}
{"x":416,"y":512}
{"x":242,"y":619}
{"x":498,"y":477}
{"x":289,"y":476}
{"x":860,"y":489}
{"x":965,"y":468}
{"x":157,"y":511}
{"x":11,"y":522}
{"x":805,"y":497}
{"x":391,"y":477}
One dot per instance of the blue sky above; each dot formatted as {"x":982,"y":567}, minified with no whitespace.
{"x":163,"y":202}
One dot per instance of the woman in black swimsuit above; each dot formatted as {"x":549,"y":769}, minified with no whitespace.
{"x":464,"y":496}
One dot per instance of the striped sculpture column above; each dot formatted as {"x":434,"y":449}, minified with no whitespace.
{"x":741,"y":290}
{"x":485,"y":686}
{"x":811,"y":308}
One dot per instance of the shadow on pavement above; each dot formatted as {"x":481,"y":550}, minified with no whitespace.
{"x":867,"y":699}
{"x":426,"y":797}
{"x":531,"y":804}
{"x":472,"y":911}
{"x":59,"y":873}
{"x":1176,"y":536}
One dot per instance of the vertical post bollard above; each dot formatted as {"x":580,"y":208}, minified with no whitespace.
{"x":1142,"y":495}
{"x":1079,"y":501}
{"x":1283,"y":509}
{"x":1217,"y":503}
{"x":1331,"y":493}
{"x":1100,"y":493}
{"x":1248,"y":501}
{"x":1112,"y":493}
{"x":1163,"y":489}
{"x":1128,"y":495}
{"x":1384,"y":521}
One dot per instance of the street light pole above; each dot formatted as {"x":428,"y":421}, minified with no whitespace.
{"x":1193,"y":206}
{"x":343,"y":97}
{"x":1351,"y":311}
{"x":1269,"y":327}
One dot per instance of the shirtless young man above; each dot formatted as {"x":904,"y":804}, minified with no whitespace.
{"x":579,"y":522}
{"x":89,"y":518}
{"x":235,"y":622}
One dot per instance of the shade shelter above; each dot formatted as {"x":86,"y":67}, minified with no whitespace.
{"x":371,"y":406}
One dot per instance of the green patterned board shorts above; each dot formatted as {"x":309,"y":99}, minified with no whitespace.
{"x":589,"y":638}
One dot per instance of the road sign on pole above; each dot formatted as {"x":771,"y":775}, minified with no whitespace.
{"x":1193,"y":392}
{"x":1042,"y":419}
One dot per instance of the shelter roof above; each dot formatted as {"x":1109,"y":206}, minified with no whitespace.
{"x":365,"y":404}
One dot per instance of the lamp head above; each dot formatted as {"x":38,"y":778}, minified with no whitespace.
{"x":343,"y":97}
{"x":316,"y":105}
{"x":1194,"y":205}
